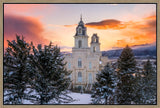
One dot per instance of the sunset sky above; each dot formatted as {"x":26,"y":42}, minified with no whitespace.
{"x":116,"y":24}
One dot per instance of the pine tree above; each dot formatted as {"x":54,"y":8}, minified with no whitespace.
{"x":15,"y":73}
{"x":149,"y":84}
{"x":126,"y":70}
{"x":50,"y":76}
{"x":105,"y":87}
{"x":138,"y":88}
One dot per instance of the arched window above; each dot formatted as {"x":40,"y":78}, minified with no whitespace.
{"x":94,"y":49}
{"x":80,"y":77}
{"x":97,"y":39}
{"x":94,"y":40}
{"x":80,"y":30}
{"x":79,"y":44}
{"x":90,"y":78}
{"x":79,"y":62}
{"x":90,"y":65}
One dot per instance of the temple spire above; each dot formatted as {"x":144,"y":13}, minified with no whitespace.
{"x":81,"y":17}
{"x":81,"y":29}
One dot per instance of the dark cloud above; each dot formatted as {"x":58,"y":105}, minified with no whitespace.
{"x":106,"y":24}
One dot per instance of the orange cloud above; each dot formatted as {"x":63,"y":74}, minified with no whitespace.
{"x":31,"y":28}
{"x":140,"y":32}
{"x":121,"y":43}
{"x":135,"y":39}
{"x":147,"y":23}
{"x":74,"y":25}
{"x":153,"y":17}
{"x":107,"y":24}
{"x":133,"y":33}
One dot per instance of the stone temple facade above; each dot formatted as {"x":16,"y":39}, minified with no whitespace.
{"x":84,"y":61}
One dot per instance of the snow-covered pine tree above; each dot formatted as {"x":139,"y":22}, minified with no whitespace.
{"x":126,"y":69}
{"x":150,"y":84}
{"x":15,"y":73}
{"x":104,"y":89}
{"x":51,"y":77}
{"x":138,"y":88}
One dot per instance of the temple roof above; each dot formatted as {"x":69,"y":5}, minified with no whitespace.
{"x":82,"y":26}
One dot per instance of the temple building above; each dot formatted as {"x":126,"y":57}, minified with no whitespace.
{"x":84,"y":61}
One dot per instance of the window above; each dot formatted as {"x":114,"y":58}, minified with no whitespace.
{"x":69,"y":65}
{"x":79,"y":88}
{"x":90,"y":78}
{"x":79,"y":62}
{"x":94,"y":40}
{"x":79,"y":44}
{"x":80,"y":31}
{"x":90,"y":65}
{"x":80,"y":77}
{"x":94,"y":49}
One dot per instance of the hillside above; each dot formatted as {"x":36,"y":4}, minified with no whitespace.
{"x":148,"y":51}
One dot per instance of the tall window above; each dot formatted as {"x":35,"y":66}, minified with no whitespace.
{"x":94,"y":40}
{"x":80,"y":77}
{"x":79,"y":62}
{"x":90,"y":65}
{"x":79,"y":43}
{"x":80,"y":30}
{"x":94,"y":49}
{"x":90,"y":78}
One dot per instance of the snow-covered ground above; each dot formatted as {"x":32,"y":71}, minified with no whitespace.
{"x":80,"y":98}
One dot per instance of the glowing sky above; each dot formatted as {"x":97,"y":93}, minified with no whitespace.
{"x":116,"y":24}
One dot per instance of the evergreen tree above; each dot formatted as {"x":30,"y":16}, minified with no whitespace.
{"x":126,"y":70}
{"x":138,"y":88}
{"x":149,"y":84}
{"x":50,"y":76}
{"x":15,"y":72}
{"x":104,"y":89}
